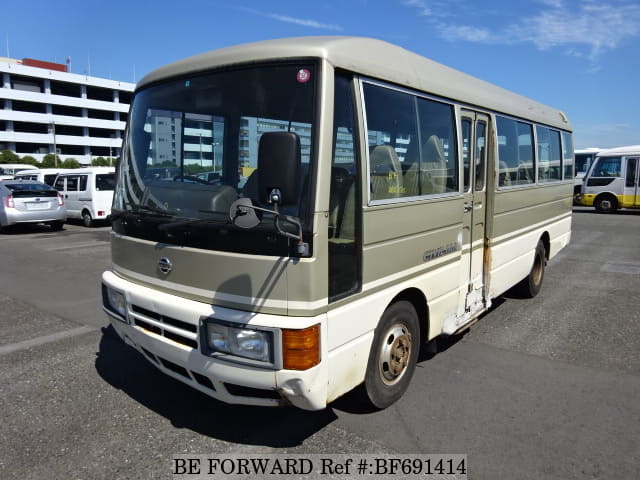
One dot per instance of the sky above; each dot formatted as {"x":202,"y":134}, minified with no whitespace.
{"x":582,"y":57}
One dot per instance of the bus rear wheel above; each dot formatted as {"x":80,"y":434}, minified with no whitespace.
{"x":393,"y":355}
{"x":606,"y":204}
{"x":531,"y":285}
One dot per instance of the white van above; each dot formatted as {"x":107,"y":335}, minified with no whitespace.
{"x":44,"y":175}
{"x":87,"y":192}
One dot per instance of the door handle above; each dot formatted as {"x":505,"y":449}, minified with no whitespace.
{"x":468,"y":208}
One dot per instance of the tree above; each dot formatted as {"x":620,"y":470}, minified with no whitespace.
{"x":7,"y":156}
{"x":100,"y":162}
{"x":70,"y":163}
{"x":30,"y":160}
{"x":49,"y":161}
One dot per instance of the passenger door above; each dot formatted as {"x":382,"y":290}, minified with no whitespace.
{"x":632,"y":183}
{"x":72,"y":199}
{"x":474,"y":153}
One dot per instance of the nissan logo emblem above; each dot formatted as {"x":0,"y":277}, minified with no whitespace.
{"x":165,"y":265}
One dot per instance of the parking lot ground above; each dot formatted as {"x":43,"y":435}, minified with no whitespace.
{"x":543,"y":388}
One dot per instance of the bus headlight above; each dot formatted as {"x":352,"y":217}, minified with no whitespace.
{"x":240,"y":341}
{"x":114,"y":301}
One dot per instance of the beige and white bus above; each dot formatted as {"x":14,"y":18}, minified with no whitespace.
{"x":366,"y":201}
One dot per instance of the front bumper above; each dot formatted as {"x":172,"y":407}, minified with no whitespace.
{"x":586,"y":200}
{"x":166,"y":329}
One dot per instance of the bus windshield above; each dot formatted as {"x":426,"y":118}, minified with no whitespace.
{"x":192,"y":150}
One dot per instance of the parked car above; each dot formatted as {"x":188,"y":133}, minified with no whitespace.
{"x":28,"y":201}
{"x":87,"y":192}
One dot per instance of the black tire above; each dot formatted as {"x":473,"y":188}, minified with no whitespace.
{"x":393,"y":355}
{"x":57,"y":225}
{"x":531,"y":285}
{"x":606,"y":204}
{"x":87,"y":220}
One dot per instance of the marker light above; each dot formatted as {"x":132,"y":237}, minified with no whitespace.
{"x":301,"y":348}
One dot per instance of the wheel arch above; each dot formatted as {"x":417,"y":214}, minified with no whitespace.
{"x":419,"y":301}
{"x":545,"y":238}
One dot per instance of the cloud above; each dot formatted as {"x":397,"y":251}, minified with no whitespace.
{"x":420,"y":5}
{"x":296,"y":21}
{"x":584,"y":29}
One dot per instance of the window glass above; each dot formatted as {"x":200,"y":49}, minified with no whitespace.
{"x":515,"y":152}
{"x":391,"y":123}
{"x":466,"y":153}
{"x":438,"y":159}
{"x":105,"y":181}
{"x":631,"y":172}
{"x":344,"y":260}
{"x":481,"y":152}
{"x":72,"y":183}
{"x":192,"y":150}
{"x":50,"y":178}
{"x":83,"y":183}
{"x":412,"y":145}
{"x":59,"y":184}
{"x":549,"y":161}
{"x":607,"y":167}
{"x":567,"y":155}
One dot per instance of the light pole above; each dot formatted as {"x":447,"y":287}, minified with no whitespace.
{"x":55,"y":148}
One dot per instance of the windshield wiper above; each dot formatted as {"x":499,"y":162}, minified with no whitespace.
{"x":192,"y":221}
{"x":145,"y":210}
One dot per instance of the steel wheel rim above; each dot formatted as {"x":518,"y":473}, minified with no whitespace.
{"x":395,"y":352}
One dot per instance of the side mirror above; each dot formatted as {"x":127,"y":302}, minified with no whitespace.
{"x":279,"y":168}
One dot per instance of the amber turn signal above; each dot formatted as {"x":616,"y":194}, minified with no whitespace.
{"x":301,"y":348}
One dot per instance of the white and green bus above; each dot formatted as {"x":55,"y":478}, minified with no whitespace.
{"x":294,"y":218}
{"x":613,"y":181}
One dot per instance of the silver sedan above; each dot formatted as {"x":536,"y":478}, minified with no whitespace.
{"x":28,"y":201}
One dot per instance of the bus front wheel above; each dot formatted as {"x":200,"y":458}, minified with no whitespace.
{"x":606,"y":204}
{"x":393,"y":355}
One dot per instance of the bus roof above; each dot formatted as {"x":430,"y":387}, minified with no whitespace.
{"x":628,"y":150}
{"x":376,"y":59}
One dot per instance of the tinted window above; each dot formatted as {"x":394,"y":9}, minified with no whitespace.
{"x":481,"y":142}
{"x":344,"y":260}
{"x":391,"y":128}
{"x":567,"y":155}
{"x":607,"y":167}
{"x":549,"y":158}
{"x":31,"y":190}
{"x":438,"y":159}
{"x":106,"y":181}
{"x":72,"y":183}
{"x":59,"y":184}
{"x":412,"y":147}
{"x":515,"y":152}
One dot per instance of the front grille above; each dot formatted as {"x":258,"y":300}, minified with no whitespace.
{"x":164,"y":319}
{"x":174,"y":368}
{"x":173,"y":329}
{"x":183,"y":372}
